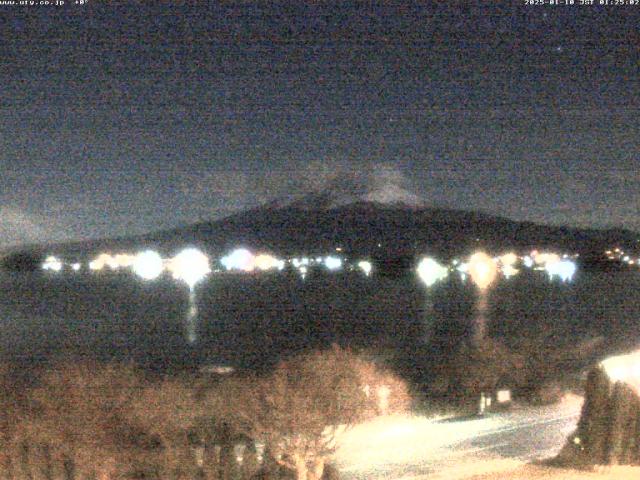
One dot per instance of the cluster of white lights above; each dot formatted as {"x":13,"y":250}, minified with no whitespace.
{"x":543,"y":259}
{"x":332,"y":263}
{"x":563,"y":269}
{"x":239,"y":259}
{"x":243,"y":260}
{"x":148,"y":265}
{"x":189,"y":266}
{"x":554,"y":264}
{"x":52,"y":263}
{"x":265,"y":262}
{"x":365,"y":266}
{"x":302,"y":262}
{"x":507,"y":264}
{"x":430,"y":271}
{"x":620,"y":255}
{"x":303,"y":271}
{"x":114,"y":262}
{"x":482,"y":268}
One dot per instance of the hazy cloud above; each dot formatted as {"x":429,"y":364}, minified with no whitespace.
{"x":19,"y":227}
{"x":225,"y":191}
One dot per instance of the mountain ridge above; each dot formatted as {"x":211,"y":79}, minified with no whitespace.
{"x":318,"y":225}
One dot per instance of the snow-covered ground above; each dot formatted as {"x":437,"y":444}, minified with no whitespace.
{"x":411,"y":447}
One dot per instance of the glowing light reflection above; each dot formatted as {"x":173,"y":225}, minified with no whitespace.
{"x":190,"y":266}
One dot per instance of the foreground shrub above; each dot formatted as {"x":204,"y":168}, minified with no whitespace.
{"x":547,"y":363}
{"x":161,"y":421}
{"x":472,"y":369}
{"x":72,"y":422}
{"x":86,"y":421}
{"x":300,"y":409}
{"x":11,"y":406}
{"x":547,"y":393}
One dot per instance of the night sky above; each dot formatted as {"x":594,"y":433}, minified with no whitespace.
{"x":118,"y":120}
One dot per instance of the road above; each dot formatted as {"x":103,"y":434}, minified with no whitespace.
{"x":416,"y":447}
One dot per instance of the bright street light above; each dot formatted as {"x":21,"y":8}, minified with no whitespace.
{"x":564,"y":269}
{"x":365,"y":266}
{"x":52,"y":263}
{"x":482,"y":269}
{"x":239,"y":259}
{"x":148,"y":265}
{"x":430,"y":271}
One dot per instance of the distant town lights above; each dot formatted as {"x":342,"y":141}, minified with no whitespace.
{"x":266,"y":262}
{"x":508,"y":259}
{"x":123,"y":260}
{"x":239,"y":259}
{"x":99,"y":262}
{"x":365,"y":266}
{"x":482,"y":269}
{"x":509,"y":271}
{"x":148,"y":265}
{"x":546,"y":258}
{"x":564,"y":269}
{"x":333,"y":263}
{"x":52,"y":263}
{"x":190,"y":266}
{"x":303,"y":271}
{"x":430,"y":271}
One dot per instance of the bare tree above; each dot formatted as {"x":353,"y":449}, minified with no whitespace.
{"x":72,"y":422}
{"x":10,"y":411}
{"x":299,"y":410}
{"x":166,"y":412}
